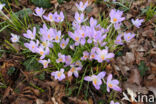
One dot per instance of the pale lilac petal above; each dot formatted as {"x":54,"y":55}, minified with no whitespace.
{"x":88,"y":78}
{"x":101,"y":74}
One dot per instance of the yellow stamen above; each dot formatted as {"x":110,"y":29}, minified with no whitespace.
{"x":110,"y":85}
{"x":63,"y":44}
{"x":102,"y":57}
{"x":79,"y":18}
{"x":41,"y":52}
{"x":33,"y":46}
{"x":51,"y":17}
{"x":59,"y":18}
{"x":83,"y":34}
{"x":72,"y":69}
{"x":59,"y":74}
{"x":60,"y":59}
{"x":56,"y":38}
{"x":77,"y":38}
{"x":45,"y":63}
{"x":93,"y":56}
{"x":114,"y":20}
{"x":49,"y":36}
{"x":95,"y":81}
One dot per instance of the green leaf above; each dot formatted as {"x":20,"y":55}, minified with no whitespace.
{"x":24,"y":12}
{"x":42,"y":3}
{"x":41,"y":76}
{"x":31,"y":64}
{"x":11,"y":71}
{"x":104,"y":88}
{"x":142,"y":68}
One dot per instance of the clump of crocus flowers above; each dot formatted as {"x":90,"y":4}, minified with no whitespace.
{"x":81,"y":44}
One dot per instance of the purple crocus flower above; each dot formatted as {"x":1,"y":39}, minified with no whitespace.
{"x":137,"y":22}
{"x":43,"y":30}
{"x":42,"y":51}
{"x":68,"y":60}
{"x":57,"y":36}
{"x":78,"y":63}
{"x":85,"y":55}
{"x":61,"y":58}
{"x":59,"y":17}
{"x":39,"y":12}
{"x":103,"y":55}
{"x":44,"y":63}
{"x":96,"y":79}
{"x":58,"y":75}
{"x":117,"y":26}
{"x":14,"y":38}
{"x":112,"y":102}
{"x":93,"y":22}
{"x":64,"y":43}
{"x":93,"y":53}
{"x":74,"y":70}
{"x":119,"y":40}
{"x":79,"y":17}
{"x":76,"y":37}
{"x":82,"y":6}
{"x":32,"y":46}
{"x":1,"y":7}
{"x":113,"y":84}
{"x":47,"y":44}
{"x":50,"y":17}
{"x":48,"y":35}
{"x":30,"y":35}
{"x":116,"y":16}
{"x":128,"y":36}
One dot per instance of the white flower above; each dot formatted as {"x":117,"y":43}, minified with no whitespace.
{"x":1,"y":6}
{"x":14,"y":38}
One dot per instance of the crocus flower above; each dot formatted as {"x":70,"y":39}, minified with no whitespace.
{"x":59,"y":17}
{"x":58,"y":75}
{"x":32,"y":46}
{"x":93,"y":22}
{"x":48,"y":35}
{"x":128,"y":36}
{"x":78,"y":64}
{"x":103,"y":55}
{"x":119,"y":40}
{"x":50,"y":17}
{"x":42,"y":51}
{"x":39,"y":12}
{"x":1,"y":6}
{"x":64,"y":43}
{"x":79,"y":17}
{"x":96,"y":79}
{"x":137,"y":22}
{"x":116,"y":16}
{"x":68,"y":60}
{"x":93,"y":53}
{"x":113,"y":84}
{"x":74,"y":70}
{"x":85,"y":55}
{"x":117,"y":26}
{"x":76,"y":37}
{"x":44,"y":62}
{"x":112,"y":102}
{"x":82,"y":6}
{"x":57,"y":36}
{"x":61,"y":58}
{"x":47,"y":44}
{"x":30,"y":35}
{"x":14,"y":38}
